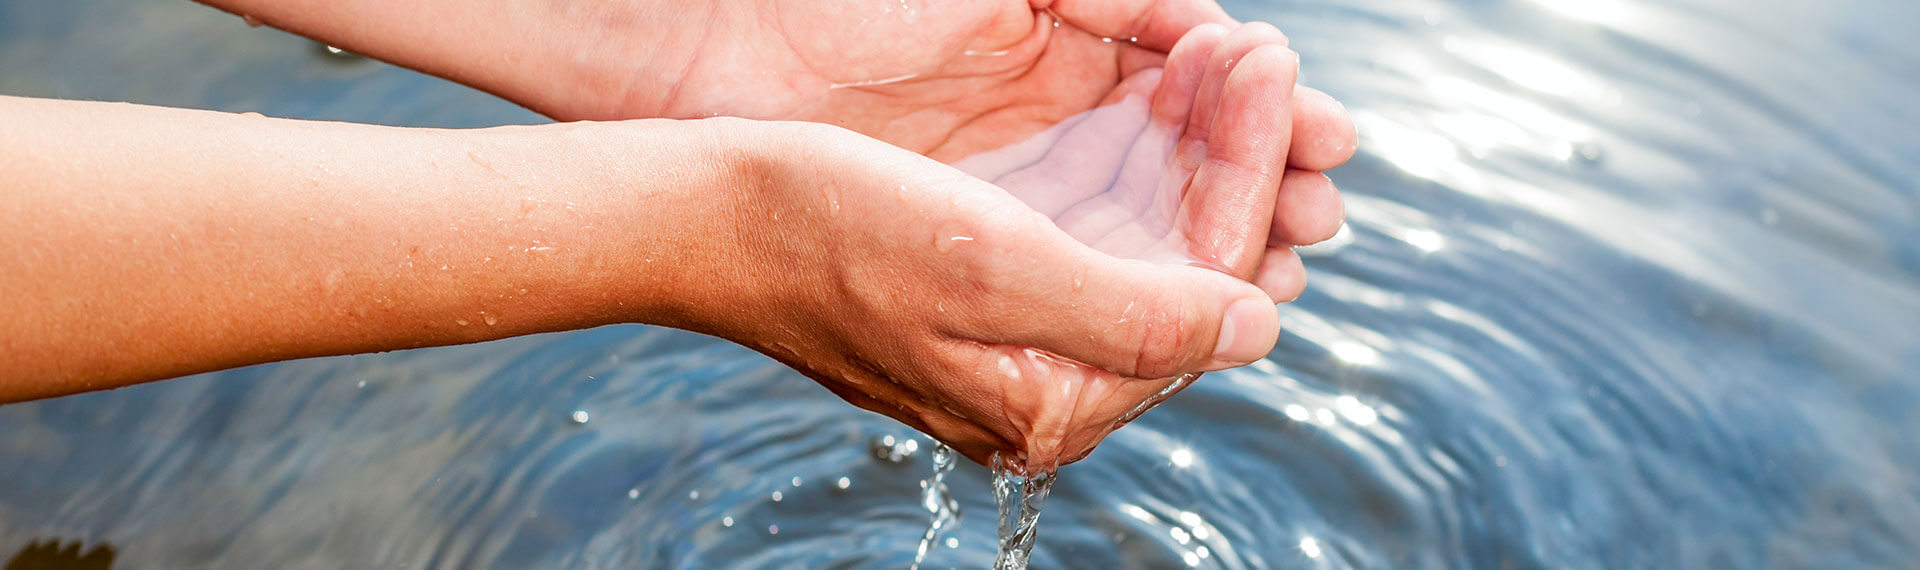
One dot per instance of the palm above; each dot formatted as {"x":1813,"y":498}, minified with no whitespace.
{"x":947,"y":79}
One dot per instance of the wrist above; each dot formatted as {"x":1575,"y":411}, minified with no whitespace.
{"x":660,"y":221}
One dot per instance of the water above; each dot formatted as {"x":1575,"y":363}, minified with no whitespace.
{"x":1689,"y":348}
{"x":939,"y":502}
{"x":1019,"y":497}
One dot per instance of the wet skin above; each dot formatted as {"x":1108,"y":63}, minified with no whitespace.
{"x":1031,"y":336}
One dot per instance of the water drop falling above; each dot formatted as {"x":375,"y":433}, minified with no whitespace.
{"x":893,"y":449}
{"x":579,"y":417}
{"x":939,"y":502}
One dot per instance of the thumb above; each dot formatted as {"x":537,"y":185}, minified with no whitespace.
{"x":1133,"y":318}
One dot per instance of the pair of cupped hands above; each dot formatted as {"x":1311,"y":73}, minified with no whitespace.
{"x":999,"y":305}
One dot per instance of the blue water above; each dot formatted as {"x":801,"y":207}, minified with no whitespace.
{"x":1627,"y":284}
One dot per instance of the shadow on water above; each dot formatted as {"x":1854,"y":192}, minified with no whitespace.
{"x":1625,"y":284}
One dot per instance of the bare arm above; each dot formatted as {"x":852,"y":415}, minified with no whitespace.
{"x":145,"y":243}
{"x":568,"y":60}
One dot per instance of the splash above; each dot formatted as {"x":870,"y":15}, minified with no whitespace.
{"x":1020,"y":498}
{"x":939,"y":501}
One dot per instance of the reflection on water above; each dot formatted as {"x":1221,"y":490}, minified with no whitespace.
{"x":1626,"y":284}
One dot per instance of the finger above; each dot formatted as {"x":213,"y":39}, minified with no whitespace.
{"x":1307,"y":211}
{"x":1228,"y":54}
{"x":1229,"y":204}
{"x":1152,"y":24}
{"x":1282,"y":275}
{"x":1132,"y":318}
{"x":1186,"y":67}
{"x":1323,"y":135}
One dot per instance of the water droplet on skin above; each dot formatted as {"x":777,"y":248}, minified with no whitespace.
{"x":251,"y":21}
{"x":1106,"y":40}
{"x":948,"y":235}
{"x":461,"y":322}
{"x":490,"y":319}
{"x":579,"y":417}
{"x":1009,"y":368}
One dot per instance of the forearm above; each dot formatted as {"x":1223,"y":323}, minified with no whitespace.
{"x":569,"y":60}
{"x":146,"y":243}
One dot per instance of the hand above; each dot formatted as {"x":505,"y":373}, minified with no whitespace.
{"x":948,"y":79}
{"x":1178,"y":166}
{"x":914,"y":290}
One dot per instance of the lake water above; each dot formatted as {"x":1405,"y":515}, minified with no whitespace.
{"x":1627,"y":284}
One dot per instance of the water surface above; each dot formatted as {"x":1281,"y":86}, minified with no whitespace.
{"x":1627,"y":284}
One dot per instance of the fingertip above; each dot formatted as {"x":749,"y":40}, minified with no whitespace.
{"x":1248,"y":330}
{"x":1265,"y":32}
{"x":1324,"y":135}
{"x":1276,"y":62}
{"x":1283,"y":277}
{"x":1308,"y":209}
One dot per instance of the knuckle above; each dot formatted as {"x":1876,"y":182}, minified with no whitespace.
{"x":1164,"y":341}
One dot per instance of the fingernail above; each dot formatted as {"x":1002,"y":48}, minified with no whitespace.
{"x":1243,"y":337}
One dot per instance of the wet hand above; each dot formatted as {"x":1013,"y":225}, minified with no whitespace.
{"x":1186,"y":164}
{"x":949,"y":79}
{"x":917,"y":291}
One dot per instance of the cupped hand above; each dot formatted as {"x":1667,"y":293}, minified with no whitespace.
{"x":912,"y":289}
{"x":980,"y":325}
{"x":1182,"y":165}
{"x":946,"y":78}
